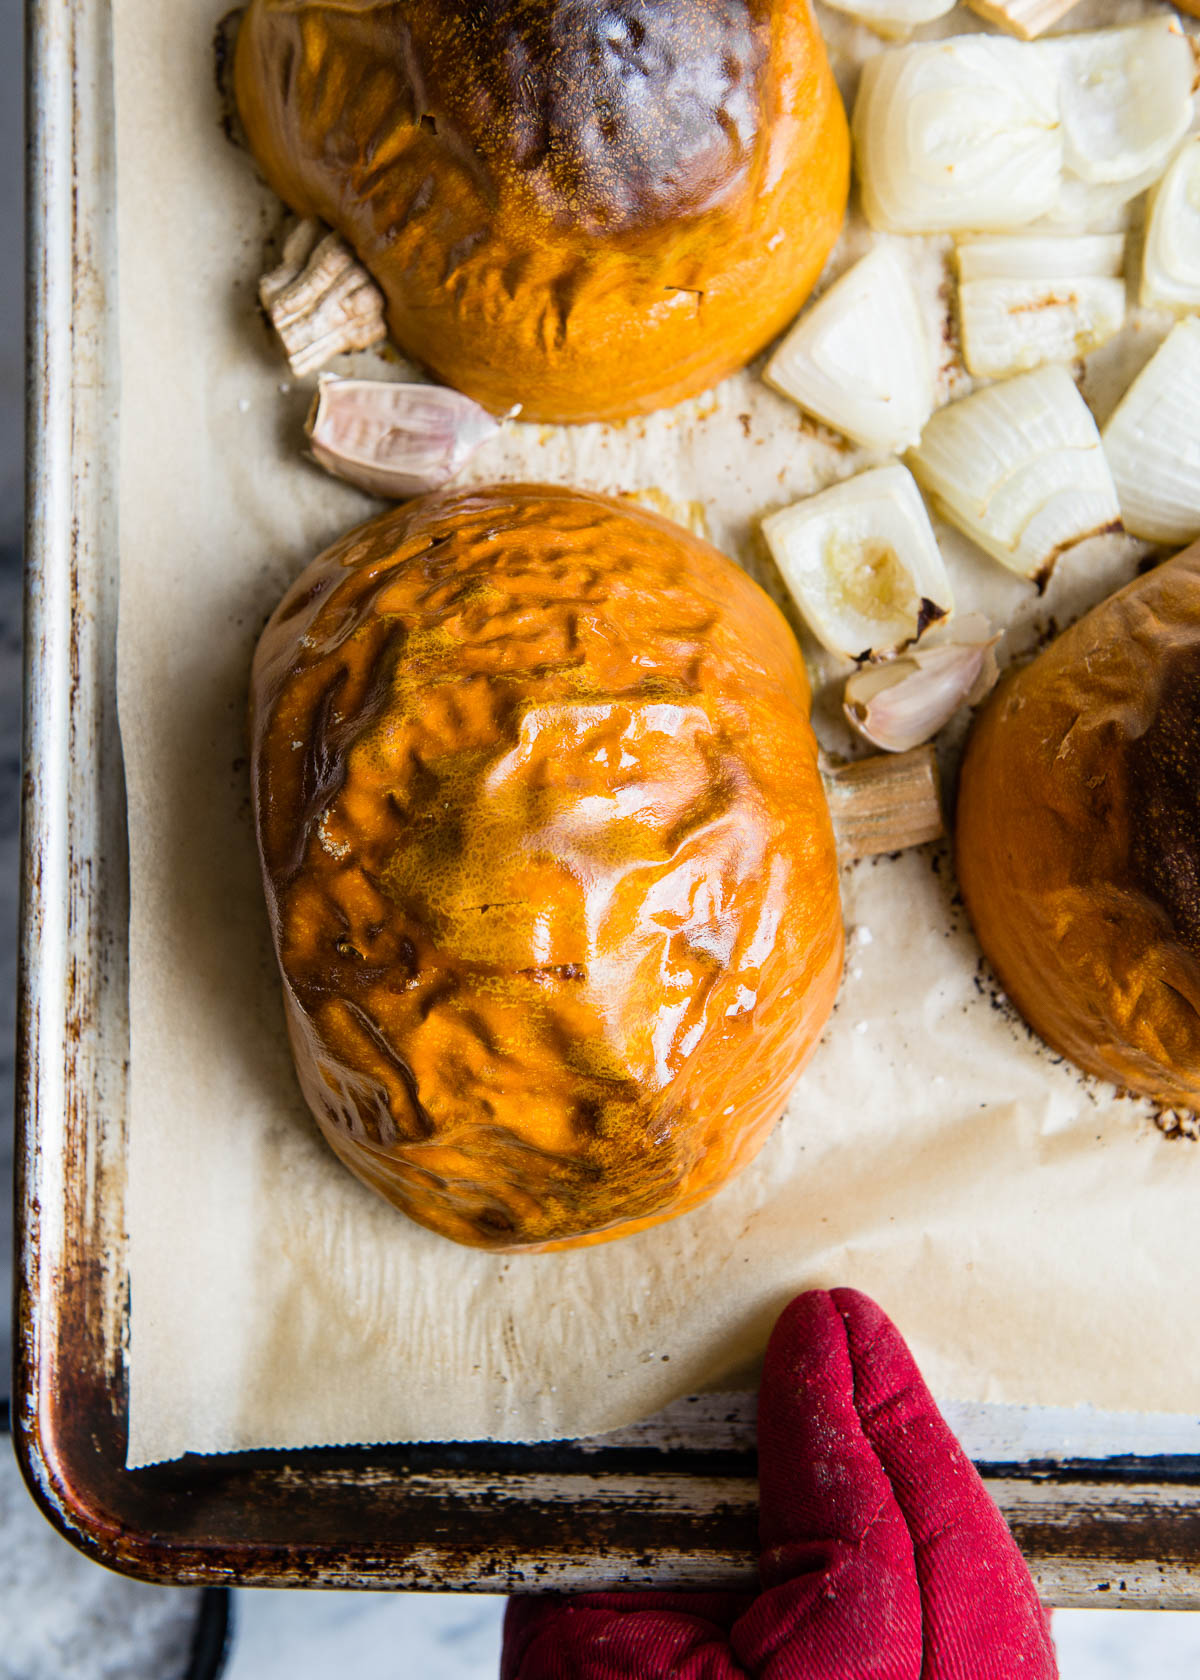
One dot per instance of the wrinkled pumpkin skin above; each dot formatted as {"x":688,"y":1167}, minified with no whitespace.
{"x":548,"y":861}
{"x":1078,"y":837}
{"x":593,"y":208}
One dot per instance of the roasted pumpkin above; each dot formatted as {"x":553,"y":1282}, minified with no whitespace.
{"x":592,"y":208}
{"x":548,"y":861}
{"x":1078,"y":837}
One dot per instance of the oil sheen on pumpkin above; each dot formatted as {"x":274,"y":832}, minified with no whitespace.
{"x":548,"y":860}
{"x":592,"y":208}
{"x":1078,"y":837}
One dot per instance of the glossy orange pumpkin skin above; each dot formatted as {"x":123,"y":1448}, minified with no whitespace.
{"x":1078,"y":837}
{"x":548,"y":861}
{"x":592,"y":208}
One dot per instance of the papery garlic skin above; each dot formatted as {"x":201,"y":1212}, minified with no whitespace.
{"x":1171,"y":253}
{"x":903,"y":702}
{"x":859,"y":358}
{"x":862,"y":562}
{"x":320,"y":299}
{"x":956,"y":134}
{"x":894,"y":17}
{"x":392,"y":439}
{"x":1153,"y":442}
{"x":1020,"y":469}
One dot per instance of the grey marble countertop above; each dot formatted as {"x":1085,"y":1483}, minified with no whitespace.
{"x":303,"y":1636}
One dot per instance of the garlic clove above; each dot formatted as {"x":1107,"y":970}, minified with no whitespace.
{"x":1125,"y":98}
{"x":903,"y":702}
{"x":1152,"y":442}
{"x":859,"y":358}
{"x":394,"y":439}
{"x":1171,"y":255}
{"x":961,"y":133}
{"x":862,"y":562}
{"x":1019,"y":467}
{"x":1008,"y":326}
{"x":320,"y":299}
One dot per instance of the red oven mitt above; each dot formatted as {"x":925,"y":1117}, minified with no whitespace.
{"x":883,"y":1557}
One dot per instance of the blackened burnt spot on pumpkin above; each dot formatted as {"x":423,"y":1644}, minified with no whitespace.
{"x":1164,"y":780}
{"x":494,"y":1223}
{"x":588,"y":1117}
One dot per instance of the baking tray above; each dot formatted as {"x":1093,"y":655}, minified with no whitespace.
{"x":213,"y":1631}
{"x":670,"y":1502}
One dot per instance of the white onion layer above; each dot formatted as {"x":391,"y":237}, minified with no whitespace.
{"x":985,"y":133}
{"x":1042,"y":256}
{"x":862,"y":562}
{"x":1019,"y":468}
{"x":859,"y":358}
{"x":1153,"y":442}
{"x":958,"y":133}
{"x":1171,"y":255}
{"x":1126,"y":98}
{"x":1011,"y":325}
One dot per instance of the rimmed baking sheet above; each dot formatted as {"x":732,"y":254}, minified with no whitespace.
{"x":300,"y":1515}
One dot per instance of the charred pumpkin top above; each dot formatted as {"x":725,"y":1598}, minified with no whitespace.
{"x":585,"y":206}
{"x":609,"y":117}
{"x":548,"y":858}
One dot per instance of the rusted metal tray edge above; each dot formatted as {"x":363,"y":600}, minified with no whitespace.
{"x":472,"y":1517}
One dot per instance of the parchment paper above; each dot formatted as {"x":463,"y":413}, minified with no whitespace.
{"x":1035,"y":1236}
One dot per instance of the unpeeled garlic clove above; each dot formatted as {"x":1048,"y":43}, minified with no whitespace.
{"x":320,"y":299}
{"x":902,"y":702}
{"x":391,"y":439}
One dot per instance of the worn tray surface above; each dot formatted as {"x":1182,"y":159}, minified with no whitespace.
{"x":671,"y":1502}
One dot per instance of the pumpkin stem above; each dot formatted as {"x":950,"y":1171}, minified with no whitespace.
{"x":884,"y":803}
